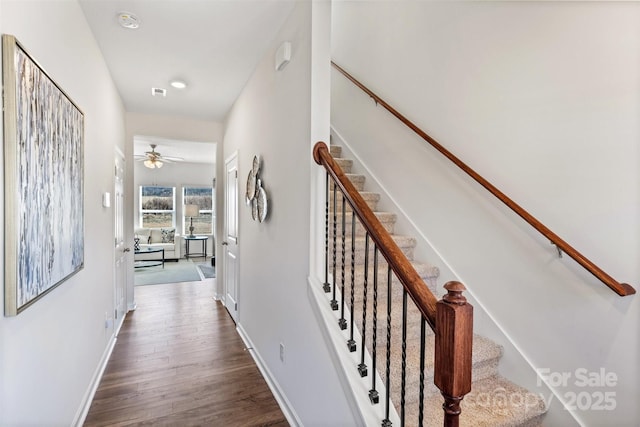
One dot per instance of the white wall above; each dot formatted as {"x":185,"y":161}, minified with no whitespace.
{"x":272,"y":118}
{"x":50,"y":352}
{"x":542,"y":99}
{"x":169,"y":127}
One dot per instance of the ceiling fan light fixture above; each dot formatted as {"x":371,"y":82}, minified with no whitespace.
{"x":178,"y":84}
{"x":153,"y":164}
{"x":154,"y":160}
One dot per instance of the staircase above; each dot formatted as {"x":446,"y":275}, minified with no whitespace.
{"x":493,"y":401}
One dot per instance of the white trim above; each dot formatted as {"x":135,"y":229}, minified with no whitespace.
{"x":278,"y":394}
{"x":356,"y":388}
{"x":83,"y":410}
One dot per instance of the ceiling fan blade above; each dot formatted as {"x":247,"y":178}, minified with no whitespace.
{"x":155,"y":156}
{"x":172,"y":158}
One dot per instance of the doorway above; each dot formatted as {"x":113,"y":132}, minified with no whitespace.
{"x":170,"y":175}
{"x":230,"y":238}
{"x":120,"y":249}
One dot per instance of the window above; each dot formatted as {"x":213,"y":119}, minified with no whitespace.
{"x":157,"y":207}
{"x":203,"y":198}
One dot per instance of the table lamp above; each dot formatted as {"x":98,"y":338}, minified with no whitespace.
{"x":191,"y":211}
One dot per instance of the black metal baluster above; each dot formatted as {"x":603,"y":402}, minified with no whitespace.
{"x":342,"y":322}
{"x":351,"y":344}
{"x":334,"y":301}
{"x":422,"y":351}
{"x":326,"y":286}
{"x":387,"y":422}
{"x":403,"y":377}
{"x":362,"y":367}
{"x":373,"y":393}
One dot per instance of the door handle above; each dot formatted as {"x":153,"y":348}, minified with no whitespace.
{"x":126,"y":250}
{"x":224,"y":243}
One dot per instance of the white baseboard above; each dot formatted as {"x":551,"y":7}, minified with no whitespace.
{"x":279,"y":395}
{"x":81,"y":415}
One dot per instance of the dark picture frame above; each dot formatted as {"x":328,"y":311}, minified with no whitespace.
{"x":44,"y":180}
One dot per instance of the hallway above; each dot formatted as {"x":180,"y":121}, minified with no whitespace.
{"x":178,"y":360}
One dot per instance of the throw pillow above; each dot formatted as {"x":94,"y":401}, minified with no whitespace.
{"x":168,"y":235}
{"x":136,"y":244}
{"x":144,"y":234}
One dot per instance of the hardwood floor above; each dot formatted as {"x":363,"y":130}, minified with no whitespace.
{"x":179,"y":361}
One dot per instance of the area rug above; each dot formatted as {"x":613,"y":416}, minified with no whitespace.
{"x":173,"y":272}
{"x":207,"y":271}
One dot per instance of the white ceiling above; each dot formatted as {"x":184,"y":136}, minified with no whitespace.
{"x":213,"y":45}
{"x":189,"y":151}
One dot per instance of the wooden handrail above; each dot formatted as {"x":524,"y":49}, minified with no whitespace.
{"x":622,"y":289}
{"x":415,"y":286}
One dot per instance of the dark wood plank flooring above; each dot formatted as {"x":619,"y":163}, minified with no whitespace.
{"x":179,"y":361}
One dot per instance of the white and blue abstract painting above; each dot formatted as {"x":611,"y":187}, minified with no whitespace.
{"x":48,"y":211}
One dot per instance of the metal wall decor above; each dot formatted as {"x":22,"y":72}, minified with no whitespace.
{"x":256,"y":196}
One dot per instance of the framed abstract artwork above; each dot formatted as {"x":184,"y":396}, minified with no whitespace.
{"x":43,"y":181}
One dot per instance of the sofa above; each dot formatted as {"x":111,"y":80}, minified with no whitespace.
{"x":157,"y":238}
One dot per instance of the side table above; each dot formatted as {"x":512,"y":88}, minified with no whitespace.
{"x":189,"y":239}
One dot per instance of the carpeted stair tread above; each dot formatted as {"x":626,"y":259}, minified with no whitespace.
{"x":382,"y":217}
{"x":405,"y":243}
{"x":486,"y":355}
{"x":345,"y":164}
{"x":335,"y":151}
{"x":370,"y":198}
{"x":387,"y":220}
{"x":492,"y":402}
{"x":425,"y":271}
{"x":357,"y":180}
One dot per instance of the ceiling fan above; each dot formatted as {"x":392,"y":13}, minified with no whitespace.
{"x":153,"y":159}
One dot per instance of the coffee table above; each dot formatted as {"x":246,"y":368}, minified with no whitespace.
{"x":149,"y":262}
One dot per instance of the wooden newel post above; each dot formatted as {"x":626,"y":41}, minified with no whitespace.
{"x":454,"y":338}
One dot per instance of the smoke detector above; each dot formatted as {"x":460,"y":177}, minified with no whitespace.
{"x":128,"y":20}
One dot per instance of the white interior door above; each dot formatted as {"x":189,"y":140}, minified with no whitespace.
{"x":230,"y":240}
{"x":120,"y":248}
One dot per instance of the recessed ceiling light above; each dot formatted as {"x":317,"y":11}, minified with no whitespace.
{"x":128,"y":20}
{"x":178,"y":84}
